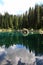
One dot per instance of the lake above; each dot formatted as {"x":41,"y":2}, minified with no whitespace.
{"x":16,"y":49}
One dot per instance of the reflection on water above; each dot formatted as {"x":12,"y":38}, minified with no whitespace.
{"x":16,"y":55}
{"x":16,"y":49}
{"x":19,"y":55}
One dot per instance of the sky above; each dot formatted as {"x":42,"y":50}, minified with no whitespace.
{"x":17,"y":6}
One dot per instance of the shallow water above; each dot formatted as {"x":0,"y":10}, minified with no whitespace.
{"x":15,"y":49}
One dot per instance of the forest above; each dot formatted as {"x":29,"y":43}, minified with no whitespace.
{"x":33,"y":18}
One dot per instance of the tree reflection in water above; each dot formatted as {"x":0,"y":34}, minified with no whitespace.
{"x":32,"y":42}
{"x":20,"y":63}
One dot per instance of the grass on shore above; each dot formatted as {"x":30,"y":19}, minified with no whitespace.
{"x":12,"y":30}
{"x":6,"y":30}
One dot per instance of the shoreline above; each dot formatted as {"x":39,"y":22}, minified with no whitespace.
{"x":40,"y":31}
{"x":6,"y":30}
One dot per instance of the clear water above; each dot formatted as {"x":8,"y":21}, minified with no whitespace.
{"x":16,"y":49}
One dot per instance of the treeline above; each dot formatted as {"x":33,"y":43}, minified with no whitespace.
{"x":31,"y":19}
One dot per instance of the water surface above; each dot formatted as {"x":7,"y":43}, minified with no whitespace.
{"x":16,"y":49}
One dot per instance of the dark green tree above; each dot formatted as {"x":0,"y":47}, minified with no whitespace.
{"x":25,"y":20}
{"x":15,"y":22}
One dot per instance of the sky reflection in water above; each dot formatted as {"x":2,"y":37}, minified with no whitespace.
{"x":18,"y":54}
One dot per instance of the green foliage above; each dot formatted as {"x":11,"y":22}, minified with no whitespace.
{"x":32,"y":19}
{"x":20,"y":22}
{"x":25,"y":21}
{"x":15,"y":22}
